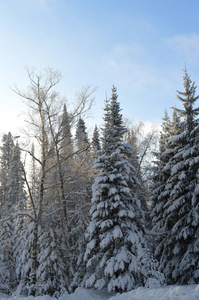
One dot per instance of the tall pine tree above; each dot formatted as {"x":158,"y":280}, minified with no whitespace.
{"x":13,"y":205}
{"x":179,"y":251}
{"x":115,"y":242}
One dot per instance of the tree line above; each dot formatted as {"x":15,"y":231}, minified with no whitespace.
{"x":97,"y":213}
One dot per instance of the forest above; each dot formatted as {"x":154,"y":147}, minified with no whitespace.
{"x":116,"y":211}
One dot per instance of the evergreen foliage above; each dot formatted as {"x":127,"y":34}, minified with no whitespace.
{"x":24,"y":259}
{"x":161,"y":160}
{"x":13,"y":203}
{"x":115,"y":240}
{"x":52,"y":279}
{"x":49,"y":244}
{"x":81,"y":136}
{"x":96,"y":139}
{"x":180,"y":230}
{"x":66,"y":135}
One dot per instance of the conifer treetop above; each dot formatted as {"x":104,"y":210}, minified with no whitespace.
{"x":113,"y":125}
{"x":188,"y":98}
{"x":81,"y":133}
{"x":96,"y":139}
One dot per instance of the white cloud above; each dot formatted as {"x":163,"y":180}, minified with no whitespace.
{"x":128,"y":50}
{"x":129,"y":66}
{"x":186,"y":45}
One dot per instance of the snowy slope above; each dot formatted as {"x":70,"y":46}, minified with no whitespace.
{"x":190,"y":292}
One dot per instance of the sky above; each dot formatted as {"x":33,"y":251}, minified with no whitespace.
{"x":140,"y":46}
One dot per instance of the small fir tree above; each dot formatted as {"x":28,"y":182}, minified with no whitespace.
{"x":51,"y":273}
{"x":24,"y":258}
{"x":81,"y":136}
{"x":96,"y":140}
{"x":66,"y":135}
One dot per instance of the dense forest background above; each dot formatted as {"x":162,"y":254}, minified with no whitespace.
{"x":117,"y":211}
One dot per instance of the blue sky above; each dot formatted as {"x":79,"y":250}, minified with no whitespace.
{"x":140,"y":46}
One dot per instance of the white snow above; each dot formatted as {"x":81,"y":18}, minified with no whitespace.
{"x":117,"y":233}
{"x":190,"y":292}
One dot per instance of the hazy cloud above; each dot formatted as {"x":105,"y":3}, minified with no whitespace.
{"x":186,"y":45}
{"x":129,"y":65}
{"x":128,"y":50}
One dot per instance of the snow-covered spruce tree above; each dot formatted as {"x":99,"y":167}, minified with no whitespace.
{"x":17,"y":189}
{"x":179,"y":246}
{"x":7,"y":263}
{"x":96,"y":146}
{"x":115,"y":243}
{"x":81,"y":137}
{"x":6,"y":156}
{"x":13,"y":203}
{"x":159,"y":178}
{"x":81,"y":203}
{"x":79,"y":222}
{"x":161,"y":192}
{"x":24,"y":259}
{"x":83,"y":157}
{"x":142,"y":145}
{"x":52,"y":274}
{"x":161,"y":174}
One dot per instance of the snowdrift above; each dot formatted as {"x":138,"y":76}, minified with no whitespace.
{"x":190,"y":292}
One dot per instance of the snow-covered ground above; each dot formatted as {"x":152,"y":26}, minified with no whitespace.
{"x":190,"y":292}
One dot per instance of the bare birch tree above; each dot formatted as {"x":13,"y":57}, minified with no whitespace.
{"x":45,"y":127}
